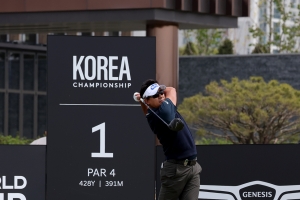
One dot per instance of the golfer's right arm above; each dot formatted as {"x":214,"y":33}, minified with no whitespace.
{"x":171,"y":93}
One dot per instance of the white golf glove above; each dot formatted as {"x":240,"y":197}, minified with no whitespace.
{"x":135,"y":97}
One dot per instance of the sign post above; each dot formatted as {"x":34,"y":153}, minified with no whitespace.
{"x":99,"y":144}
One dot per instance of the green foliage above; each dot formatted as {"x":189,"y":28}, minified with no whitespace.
{"x":281,"y":34}
{"x":206,"y":43}
{"x":209,"y":141}
{"x":246,"y":111}
{"x":259,"y":48}
{"x":14,"y":140}
{"x":226,"y":47}
{"x":189,"y":49}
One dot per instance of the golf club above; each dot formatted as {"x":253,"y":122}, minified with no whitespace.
{"x":175,"y":125}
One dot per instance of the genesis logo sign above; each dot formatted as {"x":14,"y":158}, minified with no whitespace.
{"x":255,"y":190}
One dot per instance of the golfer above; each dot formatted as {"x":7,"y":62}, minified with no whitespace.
{"x":180,"y":172}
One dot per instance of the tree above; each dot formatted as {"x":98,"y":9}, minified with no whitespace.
{"x":260,"y":49}
{"x":283,"y":32}
{"x":246,"y":112}
{"x":209,"y":141}
{"x":189,"y":49}
{"x":206,"y":41}
{"x":226,"y":47}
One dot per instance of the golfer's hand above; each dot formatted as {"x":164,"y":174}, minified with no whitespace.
{"x":136,"y":96}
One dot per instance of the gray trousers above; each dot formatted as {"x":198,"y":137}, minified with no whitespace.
{"x":179,"y":182}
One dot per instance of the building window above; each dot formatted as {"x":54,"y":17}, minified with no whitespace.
{"x":59,"y":34}
{"x":86,"y":34}
{"x":1,"y":113}
{"x":293,"y":3}
{"x":3,"y":38}
{"x":30,"y":39}
{"x":13,"y":114}
{"x":262,"y":12}
{"x":28,"y":112}
{"x":114,"y":33}
{"x":263,"y":27}
{"x":28,"y":76}
{"x":264,"y":39}
{"x":2,"y":70}
{"x":42,"y":73}
{"x":276,"y":27}
{"x":277,"y":14}
{"x":14,"y":71}
{"x":42,"y":114}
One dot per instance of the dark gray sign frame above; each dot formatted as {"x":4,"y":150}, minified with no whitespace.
{"x":22,"y":171}
{"x":99,"y":142}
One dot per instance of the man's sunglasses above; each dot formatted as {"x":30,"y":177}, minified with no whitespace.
{"x":161,"y":92}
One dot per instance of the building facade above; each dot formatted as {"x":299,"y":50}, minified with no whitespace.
{"x":23,"y":89}
{"x":260,"y":10}
{"x":241,"y":37}
{"x":25,"y":24}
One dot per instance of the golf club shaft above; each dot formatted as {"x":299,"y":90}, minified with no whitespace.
{"x":155,"y":113}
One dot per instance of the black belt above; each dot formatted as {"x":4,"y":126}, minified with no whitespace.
{"x":184,"y":162}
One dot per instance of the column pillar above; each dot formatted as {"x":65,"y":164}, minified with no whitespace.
{"x":166,"y":53}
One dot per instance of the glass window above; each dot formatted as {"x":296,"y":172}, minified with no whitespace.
{"x":262,"y":12}
{"x":86,"y":34}
{"x":263,"y":27}
{"x":13,"y":114}
{"x":3,"y":38}
{"x":42,"y":114}
{"x":2,"y":70}
{"x":14,"y":71}
{"x":30,"y":39}
{"x":28,"y":109}
{"x":28,"y":72}
{"x":1,"y":113}
{"x":276,"y":27}
{"x":277,"y":14}
{"x":293,"y":3}
{"x":42,"y":73}
{"x":264,"y":39}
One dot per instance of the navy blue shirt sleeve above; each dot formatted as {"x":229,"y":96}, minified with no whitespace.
{"x":167,"y":110}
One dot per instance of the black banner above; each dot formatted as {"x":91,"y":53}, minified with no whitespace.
{"x":246,"y":172}
{"x":22,"y":172}
{"x":99,"y":143}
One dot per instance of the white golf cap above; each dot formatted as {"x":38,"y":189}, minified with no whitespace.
{"x":153,"y":89}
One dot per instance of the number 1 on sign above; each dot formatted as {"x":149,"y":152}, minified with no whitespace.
{"x":101,"y":154}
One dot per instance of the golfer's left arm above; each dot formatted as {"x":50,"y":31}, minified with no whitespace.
{"x":171,"y":93}
{"x":143,"y":106}
{"x":168,"y":110}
